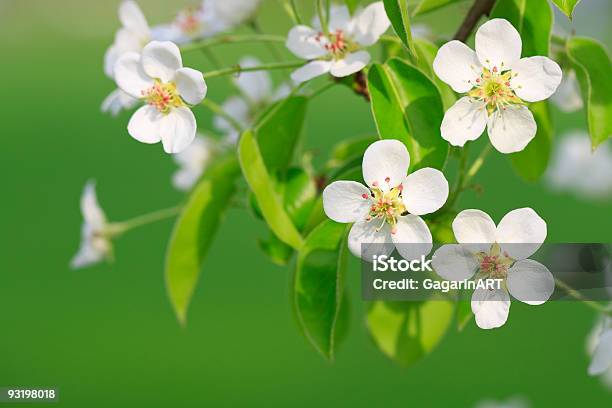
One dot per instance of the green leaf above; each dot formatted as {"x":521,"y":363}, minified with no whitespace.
{"x":426,"y":53}
{"x":531,"y":163}
{"x":346,"y":151}
{"x":299,"y":195}
{"x":263,"y":187}
{"x":425,"y":6}
{"x":319,"y":285}
{"x":278,"y":130}
{"x":407,"y":106}
{"x":352,"y":5}
{"x":397,"y":11}
{"x":567,"y":6}
{"x":278,"y":252}
{"x":408,"y":331}
{"x":532,"y":18}
{"x":194,"y":231}
{"x":593,"y":69}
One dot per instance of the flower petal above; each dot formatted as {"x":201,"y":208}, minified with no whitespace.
{"x":424,"y":191}
{"x":190,"y":85}
{"x":512,"y":129}
{"x":474,"y":227}
{"x":161,"y":60}
{"x":90,"y":208}
{"x":130,"y":76}
{"x":256,"y":86}
{"x":521,"y":233}
{"x":132,"y":18}
{"x":144,"y":125}
{"x":567,"y":97}
{"x":116,"y":101}
{"x":464,"y":121}
{"x":385,"y":164}
{"x":374,"y":241}
{"x":370,"y":24}
{"x":412,"y":237}
{"x":535,"y":78}
{"x":454,"y":262}
{"x":339,"y":18}
{"x":602,"y":357}
{"x":457,"y":65}
{"x":498,"y":44}
{"x":490,"y":307}
{"x":530,"y":282}
{"x":350,"y":64}
{"x":238,"y":109}
{"x":177,"y":130}
{"x":87,"y":255}
{"x":311,"y":70}
{"x":346,"y":201}
{"x":305,"y":42}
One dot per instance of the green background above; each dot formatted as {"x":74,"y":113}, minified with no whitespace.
{"x":106,"y":335}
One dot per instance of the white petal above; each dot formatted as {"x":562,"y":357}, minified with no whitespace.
{"x":256,"y":86}
{"x":350,"y":64}
{"x":512,"y":129}
{"x":110,"y":59}
{"x":190,"y":85}
{"x":602,"y":358}
{"x":346,"y":201}
{"x":87,"y":255}
{"x":116,"y":101}
{"x":535,"y":78}
{"x":464,"y":121}
{"x":374,"y":241}
{"x":454,"y":262}
{"x":474,"y":227}
{"x":339,"y":18}
{"x":144,"y":125}
{"x":568,"y":97}
{"x":305,"y":42}
{"x":238,"y":109}
{"x":370,"y":24}
{"x":457,"y":65}
{"x":424,"y":191}
{"x":130,"y":76}
{"x":521,"y":233}
{"x":498,"y":44}
{"x":177,"y":130}
{"x":311,"y":70}
{"x":385,"y":164}
{"x":530,"y":282}
{"x":90,"y":208}
{"x":412,"y":237}
{"x":185,"y":179}
{"x":490,"y":307}
{"x":161,"y":60}
{"x":132,"y":18}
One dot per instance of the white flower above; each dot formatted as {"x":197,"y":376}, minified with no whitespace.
{"x":233,"y":12}
{"x":386,"y":214}
{"x":131,"y":37}
{"x":193,"y":161}
{"x":341,"y":51}
{"x":191,"y":23}
{"x":568,"y":97}
{"x":157,"y":77}
{"x":498,"y":83}
{"x":95,"y":240}
{"x":514,"y":402}
{"x":599,"y":346}
{"x":576,"y":167}
{"x":497,"y":253}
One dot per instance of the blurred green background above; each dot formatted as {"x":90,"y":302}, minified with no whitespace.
{"x":106,"y":336}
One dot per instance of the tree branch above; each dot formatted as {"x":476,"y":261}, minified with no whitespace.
{"x":479,"y":8}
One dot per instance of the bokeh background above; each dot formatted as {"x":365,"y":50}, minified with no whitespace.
{"x":106,"y":336}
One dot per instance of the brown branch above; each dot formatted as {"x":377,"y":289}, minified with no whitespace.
{"x":479,"y":8}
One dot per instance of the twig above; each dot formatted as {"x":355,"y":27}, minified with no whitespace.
{"x":479,"y":9}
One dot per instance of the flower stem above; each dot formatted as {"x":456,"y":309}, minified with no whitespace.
{"x":477,"y":164}
{"x":292,"y":11}
{"x":218,"y":110}
{"x":232,"y":39}
{"x":479,"y":9}
{"x":578,"y":296}
{"x":321,"y":12}
{"x":124,"y":226}
{"x":236,"y":69}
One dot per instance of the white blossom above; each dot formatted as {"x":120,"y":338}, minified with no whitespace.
{"x":499,"y":84}
{"x":599,"y":346}
{"x":193,"y":161}
{"x":386,"y":213}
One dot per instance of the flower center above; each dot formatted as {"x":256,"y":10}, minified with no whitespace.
{"x":494,"y":264}
{"x":493,"y":88}
{"x":387,"y":206}
{"x":336,"y":43}
{"x":163,"y":96}
{"x":188,"y":21}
